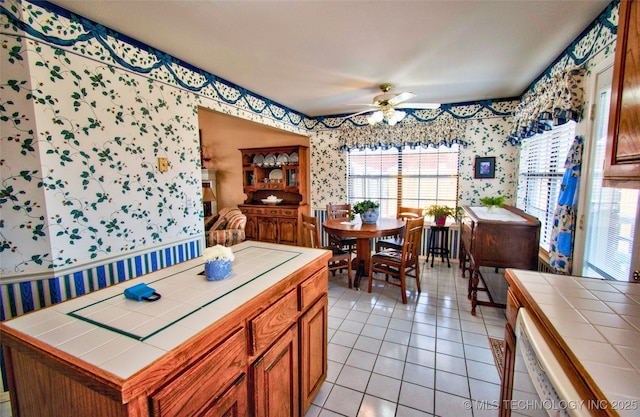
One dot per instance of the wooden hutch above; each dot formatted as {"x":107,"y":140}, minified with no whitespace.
{"x":280,"y":171}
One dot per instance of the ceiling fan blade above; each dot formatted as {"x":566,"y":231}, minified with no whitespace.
{"x":399,"y":98}
{"x":418,"y":106}
{"x":359,"y":113}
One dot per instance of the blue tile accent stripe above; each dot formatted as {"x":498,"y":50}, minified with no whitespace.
{"x":19,"y":298}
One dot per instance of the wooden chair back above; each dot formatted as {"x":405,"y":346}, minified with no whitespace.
{"x":398,"y":264}
{"x":310,"y":232}
{"x":338,"y":211}
{"x":340,"y":259}
{"x":409,"y":212}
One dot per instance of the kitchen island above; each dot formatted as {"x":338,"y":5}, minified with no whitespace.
{"x":592,"y":327}
{"x":252,"y":344}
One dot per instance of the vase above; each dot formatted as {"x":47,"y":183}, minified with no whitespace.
{"x":440,"y":220}
{"x":217,"y":270}
{"x":370,"y":216}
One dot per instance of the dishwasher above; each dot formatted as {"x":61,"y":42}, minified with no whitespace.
{"x":541,"y":388}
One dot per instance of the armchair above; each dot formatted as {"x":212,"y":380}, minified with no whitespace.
{"x":226,"y":228}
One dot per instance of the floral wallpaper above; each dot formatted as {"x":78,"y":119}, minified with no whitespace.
{"x":84,"y":120}
{"x":84,"y":114}
{"x":485,"y":134}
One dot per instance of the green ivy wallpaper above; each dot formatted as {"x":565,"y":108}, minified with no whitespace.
{"x":84,"y":114}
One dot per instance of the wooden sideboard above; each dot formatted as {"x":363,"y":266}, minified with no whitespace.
{"x":507,"y":238}
{"x":261,"y":350}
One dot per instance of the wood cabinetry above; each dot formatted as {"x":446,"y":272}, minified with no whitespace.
{"x":495,"y":240}
{"x":277,"y":224}
{"x":267,"y":357}
{"x":622,"y":159}
{"x":275,"y":376}
{"x":313,"y":358}
{"x":283,"y":172}
{"x":186,"y":395}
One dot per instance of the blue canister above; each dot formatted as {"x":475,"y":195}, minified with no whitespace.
{"x":217,"y":270}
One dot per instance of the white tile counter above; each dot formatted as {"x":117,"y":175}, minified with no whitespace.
{"x":599,"y":323}
{"x":122,"y":336}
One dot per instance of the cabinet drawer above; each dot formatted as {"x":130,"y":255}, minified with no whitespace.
{"x":281,"y":212}
{"x":270,"y":186}
{"x":312,"y":288}
{"x":205,"y":379}
{"x":252,"y":210}
{"x":268,"y":325}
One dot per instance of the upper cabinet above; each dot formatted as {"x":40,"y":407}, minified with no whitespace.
{"x":279,"y":171}
{"x":622,"y":160}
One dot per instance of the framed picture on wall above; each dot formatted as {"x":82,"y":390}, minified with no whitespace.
{"x":485,"y":167}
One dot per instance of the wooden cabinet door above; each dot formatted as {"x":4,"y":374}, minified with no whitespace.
{"x":622,"y":159}
{"x":267,"y":230}
{"x":509,"y":357}
{"x":233,"y":403}
{"x":275,"y":378}
{"x":288,"y":231}
{"x":313,"y":351}
{"x":251,"y":228}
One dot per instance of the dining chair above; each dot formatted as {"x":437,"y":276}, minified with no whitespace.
{"x":396,"y":264}
{"x":395,"y":242}
{"x":341,"y":211}
{"x":340,"y":259}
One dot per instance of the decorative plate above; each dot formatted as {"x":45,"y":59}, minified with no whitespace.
{"x":275,"y":174}
{"x":283,"y":159}
{"x":270,"y":160}
{"x":293,"y":158}
{"x":258,"y":160}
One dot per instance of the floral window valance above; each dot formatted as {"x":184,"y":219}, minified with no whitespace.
{"x":553,"y":102}
{"x":442,"y":131}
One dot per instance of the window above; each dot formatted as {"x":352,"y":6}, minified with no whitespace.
{"x":541,"y":168}
{"x":404,"y":177}
{"x":611,"y":213}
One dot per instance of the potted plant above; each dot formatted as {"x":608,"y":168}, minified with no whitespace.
{"x":492,"y":202}
{"x":440,"y":213}
{"x":368,"y":211}
{"x":217,"y":262}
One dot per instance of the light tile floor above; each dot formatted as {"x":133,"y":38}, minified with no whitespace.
{"x":430,"y":357}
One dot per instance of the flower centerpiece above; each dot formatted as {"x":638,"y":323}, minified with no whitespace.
{"x":217,"y":262}
{"x":368,"y":211}
{"x":492,"y":202}
{"x":440,"y":213}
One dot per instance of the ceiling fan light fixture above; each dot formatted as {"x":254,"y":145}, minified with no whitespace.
{"x":396,"y":117}
{"x":375,"y":118}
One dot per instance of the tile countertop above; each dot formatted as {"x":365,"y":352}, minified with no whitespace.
{"x":599,"y":321}
{"x":122,"y":336}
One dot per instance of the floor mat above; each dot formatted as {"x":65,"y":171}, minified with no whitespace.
{"x":497,"y":348}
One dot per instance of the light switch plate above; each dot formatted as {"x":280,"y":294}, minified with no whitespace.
{"x":163,"y":164}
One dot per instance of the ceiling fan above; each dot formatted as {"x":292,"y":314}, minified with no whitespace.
{"x":387,"y":103}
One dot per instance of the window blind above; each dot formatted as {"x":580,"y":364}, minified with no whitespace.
{"x":408,"y":177}
{"x":540,"y":172}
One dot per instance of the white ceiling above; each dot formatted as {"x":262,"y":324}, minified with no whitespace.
{"x":322,"y":57}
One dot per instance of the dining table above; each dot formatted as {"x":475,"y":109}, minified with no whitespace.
{"x":364,"y":233}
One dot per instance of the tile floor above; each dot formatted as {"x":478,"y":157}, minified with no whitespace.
{"x":430,"y":357}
